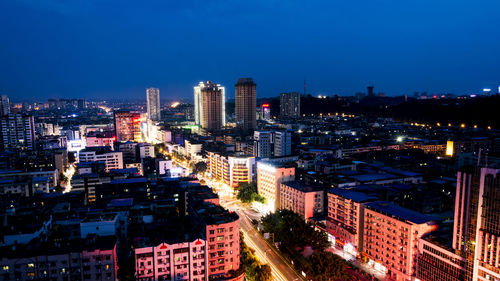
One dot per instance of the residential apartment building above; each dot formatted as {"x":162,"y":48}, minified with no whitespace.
{"x":153,"y":103}
{"x":210,"y":106}
{"x":92,"y":258}
{"x":305,"y":200}
{"x":213,"y":257}
{"x":146,"y":150}
{"x":391,"y":237}
{"x":128,"y":126}
{"x":222,"y":230}
{"x":192,"y":148}
{"x":178,"y":261}
{"x":112,"y":159}
{"x":245,"y":104}
{"x":290,"y":105}
{"x":231,"y":169}
{"x":17,"y":132}
{"x":96,"y":138}
{"x":345,"y":219}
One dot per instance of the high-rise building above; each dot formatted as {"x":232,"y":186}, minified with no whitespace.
{"x":290,"y":105}
{"x":282,"y":143}
{"x":153,"y":103}
{"x":438,"y":262}
{"x":128,"y":126}
{"x":245,"y":104}
{"x":210,"y":106}
{"x":475,"y":249}
{"x":476,"y":230}
{"x":4,"y":105}
{"x":17,"y":131}
{"x":263,"y":141}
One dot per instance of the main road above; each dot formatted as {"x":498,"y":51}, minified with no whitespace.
{"x":280,"y":269}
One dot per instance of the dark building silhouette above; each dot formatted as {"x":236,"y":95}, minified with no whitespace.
{"x":370,"y":91}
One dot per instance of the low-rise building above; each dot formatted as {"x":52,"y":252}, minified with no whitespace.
{"x":112,"y":159}
{"x":25,"y":186}
{"x":146,"y":150}
{"x":96,"y":138}
{"x":192,"y":148}
{"x":92,"y":258}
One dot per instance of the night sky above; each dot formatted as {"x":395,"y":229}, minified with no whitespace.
{"x":115,"y":49}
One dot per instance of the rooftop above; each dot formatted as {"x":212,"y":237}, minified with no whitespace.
{"x":302,"y":187}
{"x":97,"y":149}
{"x":51,"y":247}
{"x":392,"y":210}
{"x":373,"y":177}
{"x":352,"y":195}
{"x":214,"y":214}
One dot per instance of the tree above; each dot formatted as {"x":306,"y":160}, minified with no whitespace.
{"x":247,"y":193}
{"x":325,"y":266}
{"x":62,"y":178}
{"x":199,"y":167}
{"x":293,"y":231}
{"x":263,"y":273}
{"x":254,"y":270}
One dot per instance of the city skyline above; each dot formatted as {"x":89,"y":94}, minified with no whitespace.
{"x":391,"y":46}
{"x":292,"y":140}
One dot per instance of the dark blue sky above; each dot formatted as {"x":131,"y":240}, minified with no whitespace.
{"x":113,"y":49}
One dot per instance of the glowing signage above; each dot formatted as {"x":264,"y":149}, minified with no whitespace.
{"x":449,"y":148}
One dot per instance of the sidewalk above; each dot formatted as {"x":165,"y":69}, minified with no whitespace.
{"x":358,"y":264}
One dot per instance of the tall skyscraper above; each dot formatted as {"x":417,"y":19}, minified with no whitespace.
{"x":476,"y":231}
{"x":128,"y":126}
{"x":4,"y":105}
{"x":290,"y":105}
{"x":17,"y":131}
{"x":210,"y":106}
{"x":153,"y":101}
{"x":245,"y":107}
